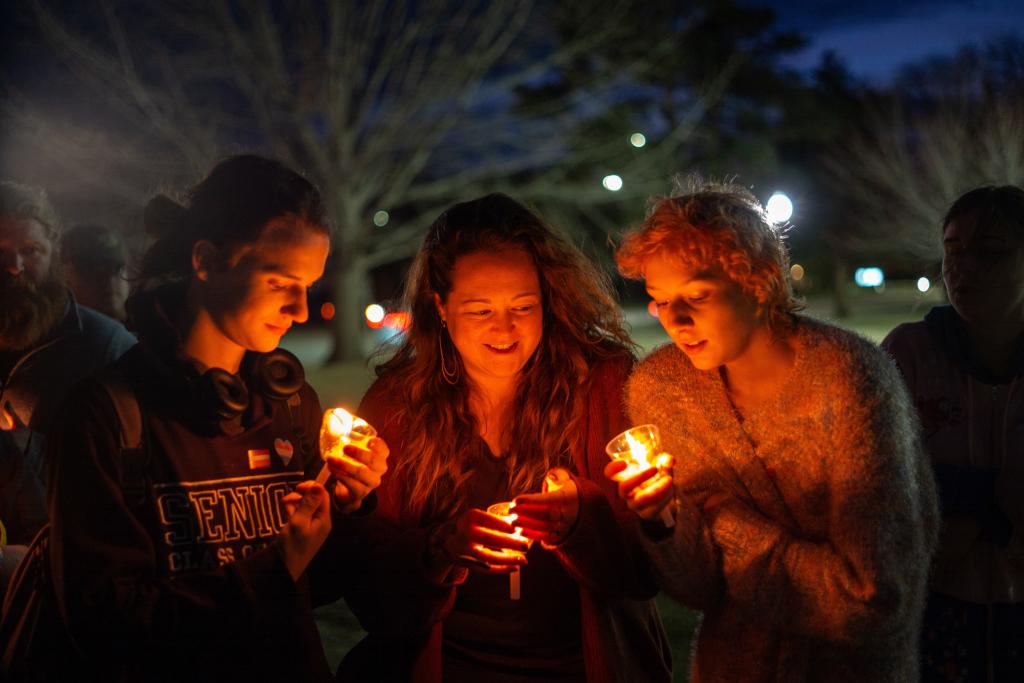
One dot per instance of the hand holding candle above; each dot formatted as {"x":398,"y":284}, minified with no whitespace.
{"x":643,"y":472}
{"x":479,"y":541}
{"x":504,"y":511}
{"x":353,"y":454}
{"x":549,"y":516}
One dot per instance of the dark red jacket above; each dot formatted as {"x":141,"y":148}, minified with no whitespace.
{"x":404,"y":610}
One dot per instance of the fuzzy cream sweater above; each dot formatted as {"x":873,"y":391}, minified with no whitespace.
{"x":805,"y":529}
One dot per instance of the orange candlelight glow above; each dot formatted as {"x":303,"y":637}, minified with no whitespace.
{"x":640,"y":448}
{"x":338,"y":429}
{"x":504,"y":511}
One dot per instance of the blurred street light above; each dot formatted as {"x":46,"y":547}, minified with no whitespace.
{"x":638,"y":139}
{"x":375,"y":315}
{"x":612,"y":182}
{"x":869,"y":277}
{"x":779,"y":208}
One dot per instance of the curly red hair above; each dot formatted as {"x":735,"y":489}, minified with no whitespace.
{"x":719,"y":225}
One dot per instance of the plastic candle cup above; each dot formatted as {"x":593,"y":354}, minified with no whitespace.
{"x":504,"y":510}
{"x":640,"y":447}
{"x":338,"y":429}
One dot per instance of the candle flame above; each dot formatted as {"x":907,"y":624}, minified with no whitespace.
{"x":637,"y":449}
{"x":340,"y":422}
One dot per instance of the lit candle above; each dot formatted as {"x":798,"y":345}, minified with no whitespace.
{"x":504,"y":511}
{"x":640,"y":447}
{"x":338,"y":429}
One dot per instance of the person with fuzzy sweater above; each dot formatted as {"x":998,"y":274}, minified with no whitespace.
{"x":805,"y":510}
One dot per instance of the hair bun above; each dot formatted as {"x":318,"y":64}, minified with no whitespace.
{"x":164,"y":217}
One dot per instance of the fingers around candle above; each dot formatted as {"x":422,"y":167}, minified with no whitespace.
{"x":614,"y":467}
{"x":654,"y":495}
{"x":628,"y":486}
{"x":497,"y":539}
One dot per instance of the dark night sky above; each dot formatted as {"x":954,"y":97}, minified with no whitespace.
{"x":875,"y":37}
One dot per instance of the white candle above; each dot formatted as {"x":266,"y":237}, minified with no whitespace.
{"x":503,"y":510}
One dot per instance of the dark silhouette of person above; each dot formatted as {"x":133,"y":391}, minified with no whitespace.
{"x":964,"y":365}
{"x":47,"y":343}
{"x":94,"y":261}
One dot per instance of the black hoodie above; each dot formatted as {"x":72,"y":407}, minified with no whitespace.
{"x":192,"y":585}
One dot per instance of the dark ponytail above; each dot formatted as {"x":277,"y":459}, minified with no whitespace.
{"x":229,"y":207}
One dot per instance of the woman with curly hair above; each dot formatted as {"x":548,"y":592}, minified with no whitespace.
{"x":805,"y":511}
{"x":510,"y":374}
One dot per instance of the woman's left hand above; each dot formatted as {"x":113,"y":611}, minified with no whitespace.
{"x":358,"y":472}
{"x":549,"y":517}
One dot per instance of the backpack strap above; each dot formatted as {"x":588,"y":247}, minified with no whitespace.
{"x":134,"y":458}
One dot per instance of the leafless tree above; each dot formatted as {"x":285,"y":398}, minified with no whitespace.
{"x":400,"y":106}
{"x":955,"y":124}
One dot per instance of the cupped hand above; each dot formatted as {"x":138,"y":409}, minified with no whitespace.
{"x":548,"y":517}
{"x":482,"y":542}
{"x":309,"y":522}
{"x":357,"y":472}
{"x":647,"y":492}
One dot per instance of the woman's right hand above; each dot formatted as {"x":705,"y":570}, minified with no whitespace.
{"x":309,"y":522}
{"x":646,"y":493}
{"x":476,"y":540}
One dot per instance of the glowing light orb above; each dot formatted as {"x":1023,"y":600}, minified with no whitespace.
{"x":638,"y":139}
{"x":327,"y":310}
{"x":375,"y":315}
{"x":381,"y":218}
{"x":779,"y":208}
{"x":869,"y":277}
{"x":612,"y":182}
{"x":796,"y":272}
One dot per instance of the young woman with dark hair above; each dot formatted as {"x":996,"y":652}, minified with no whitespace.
{"x":964,"y":366}
{"x":510,"y":372}
{"x":203,"y":575}
{"x":805,"y":511}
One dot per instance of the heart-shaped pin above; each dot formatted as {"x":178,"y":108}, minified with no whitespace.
{"x":283,"y":447}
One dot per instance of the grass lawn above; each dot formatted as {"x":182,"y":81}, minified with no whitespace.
{"x":873,"y":315}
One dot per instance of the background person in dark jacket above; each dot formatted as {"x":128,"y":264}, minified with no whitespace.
{"x":47,"y":343}
{"x":94,"y":261}
{"x":205,"y":577}
{"x":964,"y":366}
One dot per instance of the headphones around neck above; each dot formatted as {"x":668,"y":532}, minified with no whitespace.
{"x":222,"y":396}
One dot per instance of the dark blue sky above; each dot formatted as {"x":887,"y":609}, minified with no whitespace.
{"x":875,"y":37}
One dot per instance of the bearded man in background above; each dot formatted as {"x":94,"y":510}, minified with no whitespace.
{"x":47,"y":344}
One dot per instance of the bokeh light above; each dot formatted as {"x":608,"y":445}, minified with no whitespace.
{"x":375,"y":315}
{"x":869,"y":277}
{"x":779,"y":208}
{"x":612,"y":182}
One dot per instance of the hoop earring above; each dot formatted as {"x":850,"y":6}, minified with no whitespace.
{"x":451,"y":376}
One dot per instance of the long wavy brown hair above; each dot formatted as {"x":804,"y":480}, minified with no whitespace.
{"x":582,"y":324}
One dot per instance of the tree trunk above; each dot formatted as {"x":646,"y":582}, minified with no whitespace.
{"x":841,"y":276}
{"x":352,"y":294}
